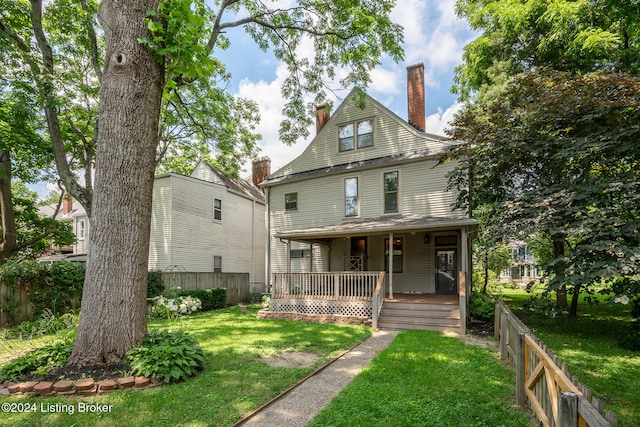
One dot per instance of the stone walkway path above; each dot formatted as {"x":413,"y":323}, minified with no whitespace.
{"x":299,"y":405}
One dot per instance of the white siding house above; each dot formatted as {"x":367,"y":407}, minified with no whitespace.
{"x":369,"y":178}
{"x":207,"y":222}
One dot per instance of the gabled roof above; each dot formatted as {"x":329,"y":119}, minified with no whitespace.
{"x":238,"y":186}
{"x":49,"y":210}
{"x":430,"y":144}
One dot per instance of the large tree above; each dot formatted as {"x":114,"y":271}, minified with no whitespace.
{"x":557,"y":155}
{"x":577,"y":36}
{"x":159,"y":52}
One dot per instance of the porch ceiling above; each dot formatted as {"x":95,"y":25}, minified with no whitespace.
{"x":381,"y":225}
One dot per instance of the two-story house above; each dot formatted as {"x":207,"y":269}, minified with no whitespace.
{"x":367,"y":196}
{"x":204,"y":222}
{"x":208,"y":222}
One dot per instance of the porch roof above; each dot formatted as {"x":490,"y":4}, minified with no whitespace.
{"x":381,"y":225}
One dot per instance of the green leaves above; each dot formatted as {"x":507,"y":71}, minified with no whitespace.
{"x":172,"y":356}
{"x":557,"y":155}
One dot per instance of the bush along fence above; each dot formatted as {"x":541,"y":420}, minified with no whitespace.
{"x":236,"y":284}
{"x":542,"y":380}
{"x":27,"y":289}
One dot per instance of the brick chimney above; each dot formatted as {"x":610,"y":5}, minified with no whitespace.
{"x":261,"y":170}
{"x":67,"y":203}
{"x":322,"y":116}
{"x":415,"y":96}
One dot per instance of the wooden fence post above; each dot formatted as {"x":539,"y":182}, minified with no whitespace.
{"x":520,"y":371}
{"x":567,"y":409}
{"x":503,"y":336}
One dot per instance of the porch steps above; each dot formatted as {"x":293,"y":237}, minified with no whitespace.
{"x":418,"y":315}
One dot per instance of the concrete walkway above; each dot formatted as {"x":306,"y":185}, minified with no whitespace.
{"x":299,"y":405}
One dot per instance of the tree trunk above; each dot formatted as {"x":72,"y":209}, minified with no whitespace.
{"x":573,"y":310}
{"x":113,"y":317}
{"x":558,"y":252}
{"x":9,"y":241}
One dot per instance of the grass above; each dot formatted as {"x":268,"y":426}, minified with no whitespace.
{"x":234,"y":382}
{"x":424,"y":378}
{"x":588,"y":346}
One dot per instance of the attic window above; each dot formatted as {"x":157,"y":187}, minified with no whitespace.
{"x":355,"y":135}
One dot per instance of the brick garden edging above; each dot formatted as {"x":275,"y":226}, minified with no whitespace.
{"x":81,"y":387}
{"x":317,"y":318}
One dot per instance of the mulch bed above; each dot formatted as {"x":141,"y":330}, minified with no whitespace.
{"x":72,"y":372}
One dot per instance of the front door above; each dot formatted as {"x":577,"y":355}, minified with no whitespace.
{"x":358,"y":259}
{"x":446,"y":282}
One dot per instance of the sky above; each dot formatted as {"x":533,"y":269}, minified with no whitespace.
{"x":433,"y":35}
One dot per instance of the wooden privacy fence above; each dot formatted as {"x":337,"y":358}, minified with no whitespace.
{"x":237,"y":284}
{"x":557,"y":397}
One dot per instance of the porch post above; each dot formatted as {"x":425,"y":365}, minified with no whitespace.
{"x":288,"y":255}
{"x":465,"y":256}
{"x":391,"y":265}
{"x":311,"y":257}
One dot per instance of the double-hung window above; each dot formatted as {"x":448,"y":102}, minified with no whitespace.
{"x":291,"y":201}
{"x":355,"y":135}
{"x":351,"y":202}
{"x":217,"y":210}
{"x":390,"y":180}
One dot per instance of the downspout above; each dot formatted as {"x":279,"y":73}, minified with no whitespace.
{"x":252,"y":279}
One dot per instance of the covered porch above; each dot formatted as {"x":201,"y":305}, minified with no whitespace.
{"x":344,"y":269}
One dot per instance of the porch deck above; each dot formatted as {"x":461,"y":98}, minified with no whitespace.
{"x":425,"y":298}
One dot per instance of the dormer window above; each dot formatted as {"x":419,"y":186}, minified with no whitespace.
{"x":352,"y":136}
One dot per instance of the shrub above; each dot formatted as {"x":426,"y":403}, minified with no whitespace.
{"x":255,"y":298}
{"x":266,"y":302}
{"x":55,"y":287}
{"x":167,"y":308}
{"x":155,"y":284}
{"x":171,"y":356}
{"x":541,"y":306}
{"x":481,"y":306}
{"x":211,"y":299}
{"x":39,"y":361}
{"x":47,"y":324}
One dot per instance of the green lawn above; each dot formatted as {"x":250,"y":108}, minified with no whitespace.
{"x":588,"y":346}
{"x":234,"y":382}
{"x":426,"y":379}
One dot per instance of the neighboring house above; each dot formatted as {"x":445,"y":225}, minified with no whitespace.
{"x":205,"y":222}
{"x":368,"y":192}
{"x":72,"y":212}
{"x":523,"y":265}
{"x":208,"y":222}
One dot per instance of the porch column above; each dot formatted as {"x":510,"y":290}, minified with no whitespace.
{"x":390,"y":265}
{"x":288,"y":255}
{"x":311,"y":257}
{"x":465,"y":255}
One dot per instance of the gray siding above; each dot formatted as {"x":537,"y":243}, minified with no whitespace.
{"x":186,"y":236}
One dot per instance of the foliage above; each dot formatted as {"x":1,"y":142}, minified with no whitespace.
{"x":172,"y":356}
{"x":51,"y":286}
{"x":266,"y":302}
{"x":47,"y":324}
{"x":577,"y":36}
{"x":556,"y":155}
{"x":155,"y":284}
{"x":168,"y":308}
{"x":481,"y":306}
{"x":39,"y":361}
{"x":211,"y":299}
{"x":541,"y":305}
{"x":255,"y":297}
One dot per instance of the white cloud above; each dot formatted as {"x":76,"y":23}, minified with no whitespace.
{"x":438,"y":122}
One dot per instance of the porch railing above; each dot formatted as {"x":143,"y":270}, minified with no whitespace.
{"x":377,"y":301}
{"x":338,"y":285}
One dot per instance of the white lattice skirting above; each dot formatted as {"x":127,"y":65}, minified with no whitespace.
{"x":342,"y":308}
